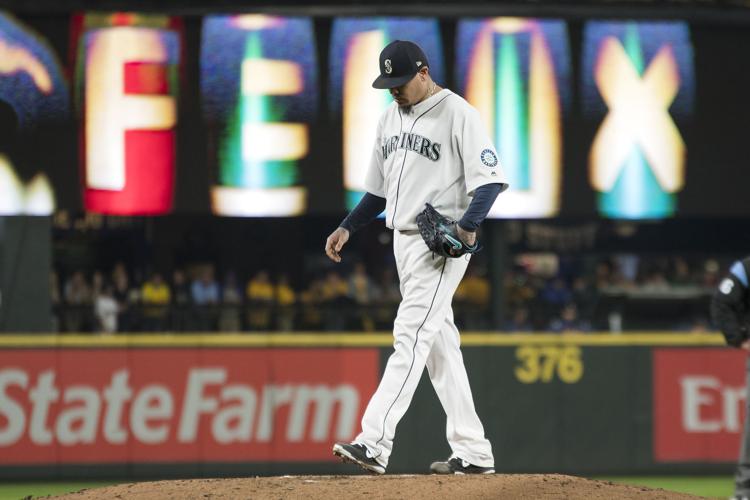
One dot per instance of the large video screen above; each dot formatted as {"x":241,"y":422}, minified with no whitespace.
{"x":258,"y":115}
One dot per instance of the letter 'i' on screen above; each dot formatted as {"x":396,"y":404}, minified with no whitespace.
{"x":515,"y":72}
{"x":354,"y":54}
{"x":127,"y":67}
{"x":33,"y":87}
{"x":642,"y":73}
{"x":258,"y":80}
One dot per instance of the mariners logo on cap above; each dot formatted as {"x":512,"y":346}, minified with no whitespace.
{"x":388,"y":66}
{"x":489,"y":158}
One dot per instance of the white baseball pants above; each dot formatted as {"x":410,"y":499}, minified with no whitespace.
{"x":424,"y":334}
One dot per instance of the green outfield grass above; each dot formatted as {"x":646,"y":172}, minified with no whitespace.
{"x":707,"y":486}
{"x":16,"y":491}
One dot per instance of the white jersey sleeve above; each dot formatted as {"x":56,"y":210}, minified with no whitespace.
{"x":375,"y":178}
{"x":480,"y":160}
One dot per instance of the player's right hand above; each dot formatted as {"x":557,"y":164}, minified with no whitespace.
{"x":335,"y":242}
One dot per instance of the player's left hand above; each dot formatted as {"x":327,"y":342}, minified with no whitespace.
{"x":467,"y":237}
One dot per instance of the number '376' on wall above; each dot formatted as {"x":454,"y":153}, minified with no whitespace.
{"x":545,"y":363}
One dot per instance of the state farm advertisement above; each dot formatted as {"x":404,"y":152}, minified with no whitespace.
{"x":699,"y":404}
{"x":180,"y":405}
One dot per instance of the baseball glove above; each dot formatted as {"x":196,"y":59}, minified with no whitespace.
{"x":441,"y":234}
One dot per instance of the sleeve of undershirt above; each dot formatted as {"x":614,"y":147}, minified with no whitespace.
{"x":481,"y":203}
{"x":368,"y":208}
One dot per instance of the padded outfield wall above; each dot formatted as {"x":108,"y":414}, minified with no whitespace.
{"x":212,"y":405}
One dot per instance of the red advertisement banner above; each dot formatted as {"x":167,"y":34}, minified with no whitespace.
{"x":699,"y":404}
{"x":180,"y":405}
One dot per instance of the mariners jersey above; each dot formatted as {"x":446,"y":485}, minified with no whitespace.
{"x":438,"y":153}
{"x":729,"y":306}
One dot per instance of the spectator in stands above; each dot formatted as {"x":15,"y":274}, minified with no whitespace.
{"x":231,"y":304}
{"x":472,"y":299}
{"x":205,"y":294}
{"x":568,"y":321}
{"x":311,"y":300}
{"x":655,"y":282}
{"x":55,"y":300}
{"x":604,"y":279}
{"x":336,"y":302}
{"x":78,"y":302}
{"x":625,"y":267}
{"x":286,"y":298}
{"x":585,"y":296}
{"x":711,"y":275}
{"x":681,"y":275}
{"x":361,"y":288}
{"x":388,"y":296}
{"x":204,"y":290}
{"x":122,"y":295}
{"x":387,"y":289}
{"x":519,"y":290}
{"x":106,"y":310}
{"x":155,"y":299}
{"x":97,"y":284}
{"x":181,"y":301}
{"x":556,"y":293}
{"x":554,"y":296}
{"x":519,"y":321}
{"x":260,"y":295}
{"x":362,"y":291}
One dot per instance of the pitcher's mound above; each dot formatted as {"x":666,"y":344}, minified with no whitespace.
{"x":502,"y":486}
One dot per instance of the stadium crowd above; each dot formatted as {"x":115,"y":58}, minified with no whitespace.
{"x":539,"y":293}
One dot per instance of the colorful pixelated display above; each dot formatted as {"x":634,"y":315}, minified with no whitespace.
{"x":354,"y":53}
{"x":259,"y":88}
{"x":221,"y":114}
{"x":33,"y":87}
{"x":638,"y":79}
{"x":515,"y":71}
{"x":127,"y":79}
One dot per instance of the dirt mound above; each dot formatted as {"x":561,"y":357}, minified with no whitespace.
{"x":503,"y":486}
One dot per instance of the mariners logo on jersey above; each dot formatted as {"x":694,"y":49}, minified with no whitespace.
{"x":412,"y":142}
{"x":489,"y":158}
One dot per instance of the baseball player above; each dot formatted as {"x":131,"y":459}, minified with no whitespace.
{"x":730,"y":306}
{"x":431,"y":148}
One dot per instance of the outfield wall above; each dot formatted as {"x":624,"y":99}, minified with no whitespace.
{"x":190,"y":405}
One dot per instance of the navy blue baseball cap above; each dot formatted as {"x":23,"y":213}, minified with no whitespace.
{"x":400,"y":60}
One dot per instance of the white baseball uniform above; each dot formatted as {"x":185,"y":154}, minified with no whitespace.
{"x":438,"y":153}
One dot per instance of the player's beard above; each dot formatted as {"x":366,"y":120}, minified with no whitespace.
{"x":407,"y":109}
